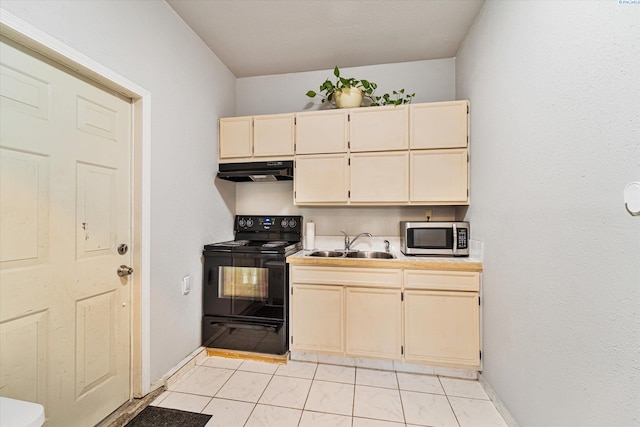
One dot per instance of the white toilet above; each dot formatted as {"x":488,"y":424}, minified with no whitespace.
{"x":18,"y":413}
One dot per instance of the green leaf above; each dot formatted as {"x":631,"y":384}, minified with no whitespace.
{"x":336,"y":72}
{"x":311,"y":94}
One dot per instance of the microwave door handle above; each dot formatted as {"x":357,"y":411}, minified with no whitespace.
{"x":455,"y":240}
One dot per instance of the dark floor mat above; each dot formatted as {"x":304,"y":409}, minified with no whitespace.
{"x":153,"y":416}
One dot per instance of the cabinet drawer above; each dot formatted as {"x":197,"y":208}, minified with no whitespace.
{"x":370,"y":277}
{"x":442,"y":280}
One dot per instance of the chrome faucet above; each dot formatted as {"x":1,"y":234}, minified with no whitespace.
{"x":348,"y":243}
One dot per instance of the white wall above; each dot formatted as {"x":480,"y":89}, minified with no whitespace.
{"x":285,"y":93}
{"x":430,"y":80}
{"x":555,"y":126}
{"x":147,"y":43}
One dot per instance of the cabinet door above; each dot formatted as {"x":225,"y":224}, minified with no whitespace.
{"x":235,"y":137}
{"x":321,"y":178}
{"x":439,"y":125}
{"x":373,"y":322}
{"x":317,"y":313}
{"x":381,"y":177}
{"x":273,"y":135}
{"x":439,"y":176}
{"x":442,"y":328}
{"x":379,"y":128}
{"x":319,"y":132}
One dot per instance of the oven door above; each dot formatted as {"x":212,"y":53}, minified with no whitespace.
{"x":247,"y":285}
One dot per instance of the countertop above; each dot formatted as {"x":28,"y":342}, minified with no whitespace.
{"x":401,"y":261}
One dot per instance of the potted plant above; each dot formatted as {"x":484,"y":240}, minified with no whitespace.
{"x":349,"y":93}
{"x":345,"y":92}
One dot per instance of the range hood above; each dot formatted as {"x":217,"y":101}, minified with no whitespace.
{"x":257,"y":171}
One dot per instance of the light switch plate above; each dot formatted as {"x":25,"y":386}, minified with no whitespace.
{"x":186,"y":285}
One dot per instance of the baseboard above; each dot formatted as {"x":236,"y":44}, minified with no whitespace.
{"x":184,"y":366}
{"x":498,"y":403}
{"x":383,"y":365}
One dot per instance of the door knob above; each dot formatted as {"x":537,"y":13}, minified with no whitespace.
{"x":123,"y":270}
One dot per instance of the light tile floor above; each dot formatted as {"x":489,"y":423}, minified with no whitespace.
{"x":251,"y":394}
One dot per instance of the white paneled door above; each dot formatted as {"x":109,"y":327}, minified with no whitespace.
{"x":65,"y":205}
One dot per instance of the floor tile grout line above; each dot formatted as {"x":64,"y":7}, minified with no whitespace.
{"x":309,"y":392}
{"x":404,"y":415}
{"x":449,"y":401}
{"x":223,"y":384}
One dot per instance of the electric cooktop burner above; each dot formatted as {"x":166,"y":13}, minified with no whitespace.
{"x":266,"y":234}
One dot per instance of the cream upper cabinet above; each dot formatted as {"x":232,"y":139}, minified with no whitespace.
{"x":373,"y":322}
{"x":379,"y":128}
{"x":441,"y":326}
{"x":317,"y":318}
{"x":439,"y":125}
{"x":439,"y":177}
{"x":380,"y":177}
{"x":273,"y":136}
{"x":257,"y":138}
{"x":320,"y":132}
{"x":321,"y":179}
{"x":236,"y":137}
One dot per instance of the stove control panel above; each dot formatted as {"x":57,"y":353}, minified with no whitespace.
{"x":269,"y":223}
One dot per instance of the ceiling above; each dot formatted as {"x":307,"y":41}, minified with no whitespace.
{"x":263,"y":37}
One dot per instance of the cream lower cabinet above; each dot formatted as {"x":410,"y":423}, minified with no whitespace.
{"x":374,"y":322}
{"x":418,"y":316}
{"x":329,"y":316}
{"x":317,"y":318}
{"x":442,"y":318}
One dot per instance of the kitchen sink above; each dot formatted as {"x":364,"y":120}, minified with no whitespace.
{"x":327,"y":254}
{"x":358,"y":254}
{"x":372,"y":254}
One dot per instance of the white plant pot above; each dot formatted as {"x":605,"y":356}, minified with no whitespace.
{"x":349,"y":97}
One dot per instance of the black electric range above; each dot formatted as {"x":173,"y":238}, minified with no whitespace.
{"x":246,"y":285}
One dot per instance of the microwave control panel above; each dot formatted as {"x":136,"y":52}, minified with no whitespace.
{"x":462,"y":238}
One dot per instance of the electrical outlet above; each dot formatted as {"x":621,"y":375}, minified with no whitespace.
{"x":427,"y":214}
{"x":186,"y":285}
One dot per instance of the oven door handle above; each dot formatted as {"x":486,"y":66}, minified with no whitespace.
{"x":254,"y":326}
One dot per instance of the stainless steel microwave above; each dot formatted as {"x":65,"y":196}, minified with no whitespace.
{"x":434,"y":238}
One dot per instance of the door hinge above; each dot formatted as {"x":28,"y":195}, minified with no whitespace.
{"x":467,"y":109}
{"x":295,"y":122}
{"x":349,"y":161}
{"x":349,"y":194}
{"x":349,"y":145}
{"x":478,"y":300}
{"x":401,"y":349}
{"x":480,"y":354}
{"x":467,"y":153}
{"x":291,"y":291}
{"x":401,"y":296}
{"x":349,"y":117}
{"x":291,"y":339}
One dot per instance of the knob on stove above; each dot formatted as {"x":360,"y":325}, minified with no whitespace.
{"x":241,"y":222}
{"x":249,"y":222}
{"x":292,"y":223}
{"x":285,"y":223}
